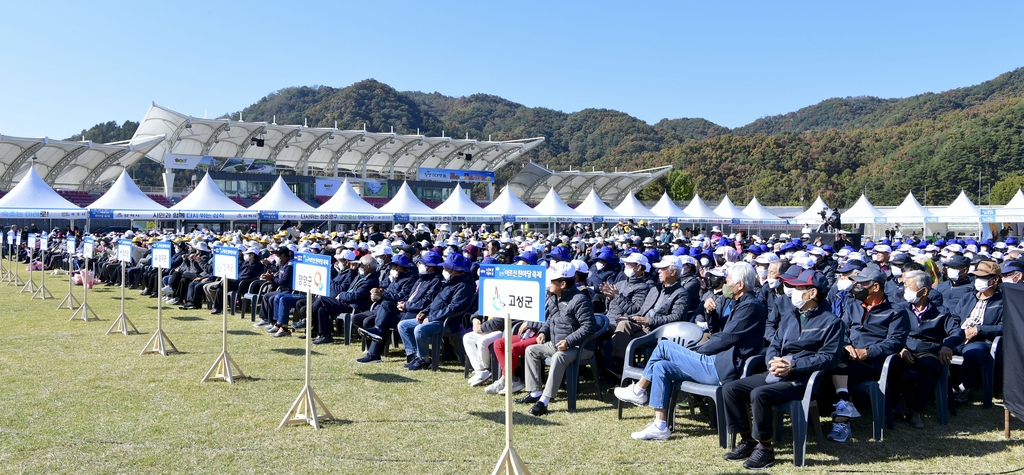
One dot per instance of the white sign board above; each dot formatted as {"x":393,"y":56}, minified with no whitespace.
{"x":124,"y":250}
{"x":312,"y":273}
{"x":225,"y":262}
{"x":161,"y":255}
{"x":31,"y":241}
{"x":87,"y":247}
{"x":44,"y":241}
{"x":71,"y":245}
{"x":513,"y":291}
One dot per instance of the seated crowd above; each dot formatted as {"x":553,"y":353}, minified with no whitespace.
{"x":805,"y":308}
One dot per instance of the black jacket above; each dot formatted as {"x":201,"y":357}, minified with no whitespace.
{"x":815,"y":345}
{"x":882,"y":330}
{"x":936,"y":328}
{"x":742,"y":337}
{"x":574,"y":321}
{"x":632,"y":293}
{"x":664,"y":304}
{"x":425,"y":289}
{"x":456,"y":298}
{"x":993,"y":321}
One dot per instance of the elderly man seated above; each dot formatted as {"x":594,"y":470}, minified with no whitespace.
{"x":718,"y":360}
{"x":559,"y":338}
{"x":666,"y":302}
{"x":455,"y":298}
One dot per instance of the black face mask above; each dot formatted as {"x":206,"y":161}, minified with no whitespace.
{"x":715,"y":281}
{"x":859,"y":292}
{"x":719,"y":261}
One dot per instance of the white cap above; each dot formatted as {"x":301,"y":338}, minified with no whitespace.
{"x":635,"y":258}
{"x":669,"y":261}
{"x":766,"y":258}
{"x":561,"y":270}
{"x":581,"y":267}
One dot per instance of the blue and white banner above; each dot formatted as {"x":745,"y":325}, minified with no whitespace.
{"x":312,"y":273}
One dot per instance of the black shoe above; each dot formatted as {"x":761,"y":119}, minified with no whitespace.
{"x":370,"y":359}
{"x":743,"y":449}
{"x":762,"y":457}
{"x":409,"y":358}
{"x":185,"y":307}
{"x":299,"y":324}
{"x":215,"y":311}
{"x":424,"y":364}
{"x":323,"y":340}
{"x":368,"y":333}
{"x":527,"y":399}
{"x":539,"y":409}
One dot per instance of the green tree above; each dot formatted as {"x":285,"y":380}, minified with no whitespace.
{"x":1003,"y":191}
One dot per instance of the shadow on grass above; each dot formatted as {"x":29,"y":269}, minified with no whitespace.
{"x":187,"y":319}
{"x":295,"y":351}
{"x":237,"y":332}
{"x":387,"y":378}
{"x":517,"y":418}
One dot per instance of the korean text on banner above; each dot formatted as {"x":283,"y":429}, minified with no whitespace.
{"x":124,"y":250}
{"x":44,"y":241}
{"x":225,"y":262}
{"x":515,"y":291}
{"x":312,"y":273}
{"x":162,"y":254}
{"x":87,"y":247}
{"x":32,"y":241}
{"x":71,"y":245}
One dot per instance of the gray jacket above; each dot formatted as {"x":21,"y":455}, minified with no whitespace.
{"x":574,"y":321}
{"x":632,"y":293}
{"x":665,"y":304}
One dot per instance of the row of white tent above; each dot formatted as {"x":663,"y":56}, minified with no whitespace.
{"x":32,"y":198}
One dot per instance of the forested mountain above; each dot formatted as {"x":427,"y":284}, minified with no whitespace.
{"x":838,"y":148}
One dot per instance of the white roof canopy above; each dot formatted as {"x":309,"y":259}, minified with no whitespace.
{"x":698,"y":210}
{"x":206,"y":201}
{"x":1017,"y":202}
{"x":908,"y":211}
{"x":124,"y":194}
{"x":69,"y":165}
{"x":758,"y":212}
{"x":460,"y":208}
{"x":632,"y":208}
{"x":552,"y":205}
{"x":405,"y":202}
{"x":280,"y":198}
{"x":728,"y":210}
{"x":668,"y":209}
{"x":34,"y":198}
{"x":593,"y":206}
{"x":811,"y":216}
{"x":961,"y":210}
{"x":508,"y":204}
{"x":861,"y":212}
{"x":534,"y":181}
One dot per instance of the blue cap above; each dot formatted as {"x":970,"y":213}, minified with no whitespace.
{"x":653,"y":255}
{"x":869,"y":245}
{"x":680,"y":251}
{"x":457,"y":262}
{"x":1012,"y":265}
{"x":431,"y":259}
{"x":694,"y":252}
{"x":851,"y":265}
{"x":827,"y":248}
{"x":560,"y":253}
{"x":528,"y":257}
{"x":489,"y":260}
{"x":755,"y":250}
{"x":402,"y":260}
{"x":606,"y":255}
{"x":1010,"y":241}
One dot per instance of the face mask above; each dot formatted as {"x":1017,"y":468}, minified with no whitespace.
{"x":762,"y":273}
{"x":629,"y":272}
{"x":788,"y":291}
{"x":896,"y":271}
{"x":599,"y":266}
{"x":954,"y":274}
{"x":715,"y":281}
{"x":969,"y":255}
{"x":362,"y":271}
{"x":911,"y":296}
{"x":860,"y":293}
{"x":844,"y":284}
{"x":467,"y":255}
{"x":274,"y":259}
{"x":728,"y":291}
{"x":797,"y":298}
{"x":773,"y":283}
{"x":250,"y":257}
{"x":447,"y":275}
{"x":394,"y":274}
{"x":421,"y":268}
{"x":981,"y":285}
{"x":380,"y":262}
{"x":704,"y":261}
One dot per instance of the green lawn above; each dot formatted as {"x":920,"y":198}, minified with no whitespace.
{"x":74,"y":400}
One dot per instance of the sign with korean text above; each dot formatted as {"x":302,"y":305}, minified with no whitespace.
{"x":10,"y":237}
{"x":513,"y":291}
{"x":312,"y":273}
{"x":225,"y":262}
{"x":124,"y":250}
{"x":87,"y":247}
{"x":71,"y":244}
{"x":17,"y":239}
{"x":162,"y":254}
{"x":32,"y":241}
{"x":44,"y":241}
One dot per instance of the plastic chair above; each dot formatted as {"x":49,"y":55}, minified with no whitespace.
{"x":881,"y":409}
{"x":942,"y":388}
{"x":713,"y":392}
{"x":685,"y":334}
{"x":987,"y":372}
{"x":437,"y":338}
{"x":801,"y":413}
{"x":253,"y":298}
{"x":572,"y":373}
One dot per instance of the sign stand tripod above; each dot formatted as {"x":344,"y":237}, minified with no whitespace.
{"x":225,"y":266}
{"x":311,"y":273}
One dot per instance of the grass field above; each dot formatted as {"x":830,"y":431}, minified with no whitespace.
{"x":73,"y":400}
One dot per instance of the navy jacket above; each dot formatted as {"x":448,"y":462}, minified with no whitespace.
{"x":815,"y":345}
{"x":573,"y":322}
{"x":250,"y":270}
{"x":936,"y":328}
{"x":283,"y":277}
{"x":426,"y":288}
{"x":399,"y":290}
{"x":953,"y":292}
{"x":742,"y":337}
{"x":882,"y":330}
{"x":632,"y":293}
{"x":340,"y":282}
{"x":357,"y":295}
{"x":456,"y":298}
{"x":993,"y":322}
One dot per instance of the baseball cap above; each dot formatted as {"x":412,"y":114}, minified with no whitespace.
{"x":561,"y":270}
{"x":668,"y":261}
{"x":851,"y":265}
{"x":581,"y":267}
{"x":987,"y":268}
{"x":870,"y":274}
{"x":1012,"y":265}
{"x":528,"y":257}
{"x":635,"y":258}
{"x":808,"y":278}
{"x":766,"y":258}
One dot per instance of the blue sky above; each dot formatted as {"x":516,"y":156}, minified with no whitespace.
{"x":69,"y":65}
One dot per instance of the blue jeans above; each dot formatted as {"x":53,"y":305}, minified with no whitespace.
{"x":283,"y":303}
{"x":671,"y":363}
{"x":416,"y":336}
{"x":976,"y":354}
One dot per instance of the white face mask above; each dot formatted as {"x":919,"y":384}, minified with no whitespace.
{"x":788,"y":291}
{"x":896,"y":271}
{"x":629,"y":272}
{"x":953,"y":274}
{"x":274,"y":259}
{"x":911,"y":296}
{"x":762,"y":273}
{"x":422,"y":268}
{"x":447,"y":275}
{"x":704,"y":261}
{"x":797,"y":298}
{"x":362,"y":271}
{"x":599,"y":265}
{"x":981,"y":285}
{"x":380,"y":262}
{"x":844,"y":284}
{"x":394,"y":274}
{"x":773,"y":283}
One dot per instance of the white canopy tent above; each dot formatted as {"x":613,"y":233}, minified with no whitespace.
{"x":206,"y":201}
{"x":811,"y":216}
{"x":962,"y":210}
{"x":347,"y":205}
{"x":1017,"y":202}
{"x":668,"y":209}
{"x":727,"y":210}
{"x":406,"y":207}
{"x":553,"y":207}
{"x":33,"y":198}
{"x":280,"y":204}
{"x":861,"y":212}
{"x":459,"y":207}
{"x":124,"y":200}
{"x":511,"y":208}
{"x":760,"y":213}
{"x":908,"y":211}
{"x":593,"y":206}
{"x":697,"y":210}
{"x":632,"y":208}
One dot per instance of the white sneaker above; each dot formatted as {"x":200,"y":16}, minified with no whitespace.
{"x":167,"y":289}
{"x":479,"y":377}
{"x":497,"y":387}
{"x":517,"y":386}
{"x":261,"y":323}
{"x":174,"y":301}
{"x":840,"y":432}
{"x":652,"y":432}
{"x":845,"y":409}
{"x":628,"y":394}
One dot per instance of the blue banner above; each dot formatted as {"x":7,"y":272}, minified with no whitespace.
{"x":401,"y":217}
{"x":101,"y":213}
{"x":268,"y":215}
{"x":516,"y":292}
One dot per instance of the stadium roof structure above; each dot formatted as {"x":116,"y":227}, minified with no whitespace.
{"x":326,"y":151}
{"x":69,"y":165}
{"x":532,"y":183}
